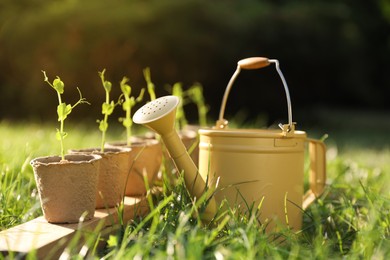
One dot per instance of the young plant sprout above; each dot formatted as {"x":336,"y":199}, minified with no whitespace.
{"x":63,"y":109}
{"x":150,"y":85}
{"x":127,"y":105}
{"x":107,"y":108}
{"x":181,"y":120}
{"x":195,"y":93}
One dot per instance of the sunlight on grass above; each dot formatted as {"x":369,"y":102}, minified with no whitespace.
{"x":350,"y":220}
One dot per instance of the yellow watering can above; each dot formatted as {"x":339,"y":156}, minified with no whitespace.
{"x":264,"y":167}
{"x":256,"y":166}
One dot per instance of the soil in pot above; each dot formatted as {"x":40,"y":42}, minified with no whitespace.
{"x":67,"y":189}
{"x":146,"y":158}
{"x":114,"y":166}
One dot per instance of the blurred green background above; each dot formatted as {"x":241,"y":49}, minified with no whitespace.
{"x":334,"y":54}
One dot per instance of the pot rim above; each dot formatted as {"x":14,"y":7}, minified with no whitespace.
{"x":107,"y":150}
{"x":69,"y":159}
{"x":138,"y":142}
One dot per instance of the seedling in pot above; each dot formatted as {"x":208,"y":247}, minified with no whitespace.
{"x":127,"y":105}
{"x":107,"y":108}
{"x":146,"y":152}
{"x":181,"y":120}
{"x":195,"y":93}
{"x":150,"y":85}
{"x":63,"y":109}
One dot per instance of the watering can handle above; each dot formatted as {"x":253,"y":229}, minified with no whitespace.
{"x":317,"y":176}
{"x":249,"y":64}
{"x":253,"y":63}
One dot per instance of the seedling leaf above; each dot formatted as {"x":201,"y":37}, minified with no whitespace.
{"x":103,"y":125}
{"x":126,"y":89}
{"x":108,"y":108}
{"x":58,"y":85}
{"x":63,"y":110}
{"x":107,"y":86}
{"x":60,"y":136}
{"x":127,"y":122}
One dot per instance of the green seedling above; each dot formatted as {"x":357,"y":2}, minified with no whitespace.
{"x":63,"y":109}
{"x":195,"y":93}
{"x":107,"y":108}
{"x":127,"y":105}
{"x":181,"y":120}
{"x":150,"y":85}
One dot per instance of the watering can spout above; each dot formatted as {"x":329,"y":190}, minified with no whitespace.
{"x":159,"y":115}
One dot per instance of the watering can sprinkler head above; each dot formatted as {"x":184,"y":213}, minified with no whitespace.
{"x":159,"y":115}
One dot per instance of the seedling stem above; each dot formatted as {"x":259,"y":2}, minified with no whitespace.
{"x":127,"y":106}
{"x":63,"y":109}
{"x":107,"y":108}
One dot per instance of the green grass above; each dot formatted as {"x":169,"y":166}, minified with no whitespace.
{"x":350,"y":220}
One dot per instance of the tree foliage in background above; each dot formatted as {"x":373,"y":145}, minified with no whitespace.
{"x":332,"y":52}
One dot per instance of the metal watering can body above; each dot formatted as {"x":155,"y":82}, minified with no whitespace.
{"x":260,"y":166}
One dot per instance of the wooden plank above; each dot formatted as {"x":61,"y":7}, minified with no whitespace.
{"x":49,"y":240}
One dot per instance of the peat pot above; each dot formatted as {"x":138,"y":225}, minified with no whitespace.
{"x":114,"y":167}
{"x":67,"y":189}
{"x":146,"y":157}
